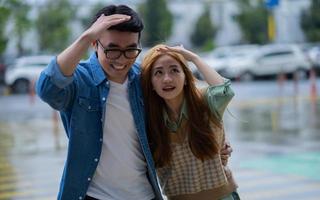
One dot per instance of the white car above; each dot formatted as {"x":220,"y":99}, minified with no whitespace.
{"x":220,"y":57}
{"x":314,"y":55}
{"x":270,"y":60}
{"x":25,"y":72}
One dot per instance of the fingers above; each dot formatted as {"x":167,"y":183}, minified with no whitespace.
{"x":226,"y":149}
{"x":114,"y":17}
{"x":103,"y":23}
{"x":224,"y":159}
{"x":177,"y":49}
{"x":112,"y":20}
{"x":225,"y":153}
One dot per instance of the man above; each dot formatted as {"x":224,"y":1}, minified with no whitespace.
{"x":101,"y":106}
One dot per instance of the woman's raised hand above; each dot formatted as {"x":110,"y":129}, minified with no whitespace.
{"x":188,"y":55}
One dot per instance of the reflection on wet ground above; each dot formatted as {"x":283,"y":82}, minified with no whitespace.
{"x":31,"y":159}
{"x":275,"y":136}
{"x":276,"y":141}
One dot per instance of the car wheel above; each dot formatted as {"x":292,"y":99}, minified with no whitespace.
{"x":21,"y":86}
{"x":246,"y":76}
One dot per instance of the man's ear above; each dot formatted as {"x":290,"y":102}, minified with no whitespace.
{"x":94,"y":45}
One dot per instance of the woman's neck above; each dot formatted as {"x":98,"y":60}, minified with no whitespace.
{"x":174,"y":107}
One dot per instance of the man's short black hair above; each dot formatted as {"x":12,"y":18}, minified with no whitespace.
{"x":133,"y":25}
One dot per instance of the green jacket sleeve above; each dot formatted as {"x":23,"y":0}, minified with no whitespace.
{"x":218,"y":97}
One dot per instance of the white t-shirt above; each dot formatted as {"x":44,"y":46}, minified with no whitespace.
{"x":122,"y":169}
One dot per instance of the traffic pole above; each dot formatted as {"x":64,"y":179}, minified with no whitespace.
{"x":296,"y":83}
{"x":295,"y":89}
{"x":313,"y":88}
{"x":55,"y":131}
{"x":32,"y":92}
{"x":281,"y":80}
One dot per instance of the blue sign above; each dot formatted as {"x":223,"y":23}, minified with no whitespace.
{"x":271,"y":3}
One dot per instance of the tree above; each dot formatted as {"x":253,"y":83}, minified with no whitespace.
{"x":4,"y":15}
{"x":157,"y":21}
{"x":310,"y":21}
{"x":15,"y":11}
{"x":253,"y":21}
{"x":22,"y":23}
{"x":204,"y":32}
{"x":53,"y":25}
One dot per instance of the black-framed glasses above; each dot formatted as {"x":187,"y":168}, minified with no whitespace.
{"x":129,"y":53}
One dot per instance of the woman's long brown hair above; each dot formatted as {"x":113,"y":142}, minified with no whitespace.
{"x":202,"y":140}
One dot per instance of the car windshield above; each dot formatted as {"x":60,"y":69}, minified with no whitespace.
{"x":234,"y":52}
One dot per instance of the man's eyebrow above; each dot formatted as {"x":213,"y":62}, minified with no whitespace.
{"x":112,"y":45}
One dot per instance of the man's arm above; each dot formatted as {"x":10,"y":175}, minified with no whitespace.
{"x":70,"y":57}
{"x":54,"y":84}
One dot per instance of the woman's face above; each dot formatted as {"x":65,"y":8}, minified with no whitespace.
{"x":168,"y":78}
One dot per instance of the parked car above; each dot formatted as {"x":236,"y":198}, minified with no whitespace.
{"x":270,"y":60}
{"x":25,"y":71}
{"x":220,"y":57}
{"x":314,"y":55}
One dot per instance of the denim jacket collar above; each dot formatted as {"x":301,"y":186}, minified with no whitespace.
{"x":100,"y":76}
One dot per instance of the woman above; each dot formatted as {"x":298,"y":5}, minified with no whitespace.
{"x":185,"y":125}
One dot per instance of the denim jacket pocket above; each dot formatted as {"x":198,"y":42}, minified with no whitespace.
{"x":89,"y":105}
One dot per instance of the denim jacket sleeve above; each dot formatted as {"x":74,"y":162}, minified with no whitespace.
{"x":55,"y":88}
{"x":218,"y":97}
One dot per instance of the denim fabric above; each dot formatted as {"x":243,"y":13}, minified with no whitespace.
{"x":81,"y":100}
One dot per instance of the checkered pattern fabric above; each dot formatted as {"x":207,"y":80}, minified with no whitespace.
{"x":187,"y":174}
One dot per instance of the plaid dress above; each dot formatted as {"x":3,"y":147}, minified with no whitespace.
{"x":186,"y":174}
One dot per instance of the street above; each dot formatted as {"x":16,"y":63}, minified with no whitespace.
{"x":273,"y":127}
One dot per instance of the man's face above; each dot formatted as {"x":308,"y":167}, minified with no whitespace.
{"x":116,"y":68}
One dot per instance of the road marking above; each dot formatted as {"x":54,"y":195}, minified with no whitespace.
{"x":269,"y":101}
{"x":256,"y":184}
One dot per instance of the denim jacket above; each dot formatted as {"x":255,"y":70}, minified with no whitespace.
{"x":81,"y":100}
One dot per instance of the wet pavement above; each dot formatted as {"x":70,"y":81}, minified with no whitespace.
{"x":274,"y":129}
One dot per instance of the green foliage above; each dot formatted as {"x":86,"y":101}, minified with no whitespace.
{"x":4,"y":15}
{"x":157,"y":21}
{"x":253,"y":21}
{"x":86,"y":20}
{"x":22,"y":23}
{"x":53,"y":25}
{"x":310,"y":21}
{"x":17,"y":11}
{"x":204,"y":32}
{"x":208,"y":46}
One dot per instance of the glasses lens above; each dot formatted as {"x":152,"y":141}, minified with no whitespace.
{"x":112,"y":54}
{"x":131,"y":53}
